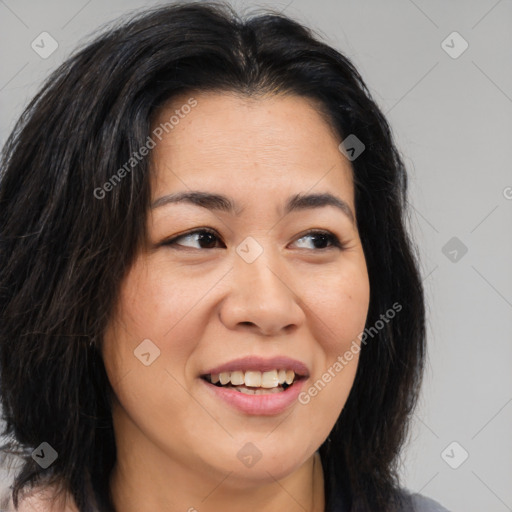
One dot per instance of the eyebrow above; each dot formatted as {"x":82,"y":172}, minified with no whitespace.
{"x":218,"y":202}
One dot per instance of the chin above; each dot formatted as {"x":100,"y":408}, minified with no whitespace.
{"x":258,"y":463}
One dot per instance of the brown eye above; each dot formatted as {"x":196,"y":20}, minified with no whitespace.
{"x":205,"y":238}
{"x":321,"y":239}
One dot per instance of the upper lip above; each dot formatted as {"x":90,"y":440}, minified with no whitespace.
{"x":261,"y":364}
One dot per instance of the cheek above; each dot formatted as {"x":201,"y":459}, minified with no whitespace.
{"x":339,"y":303}
{"x":152,"y":303}
{"x":339,"y":307}
{"x":159,"y":304}
{"x":154,"y":316}
{"x":152,"y":308}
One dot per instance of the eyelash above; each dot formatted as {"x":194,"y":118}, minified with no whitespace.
{"x":331,"y":237}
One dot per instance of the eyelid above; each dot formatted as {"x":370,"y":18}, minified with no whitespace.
{"x":172,"y":241}
{"x":336,"y":242}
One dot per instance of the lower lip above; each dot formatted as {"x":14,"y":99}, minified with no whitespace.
{"x":258,"y":405}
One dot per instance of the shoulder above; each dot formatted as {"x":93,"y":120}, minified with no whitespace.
{"x":423,"y":504}
{"x":41,"y":500}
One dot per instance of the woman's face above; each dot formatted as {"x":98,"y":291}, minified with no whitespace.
{"x":257,"y":286}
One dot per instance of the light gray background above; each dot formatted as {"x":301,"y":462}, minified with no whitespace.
{"x":452,"y":118}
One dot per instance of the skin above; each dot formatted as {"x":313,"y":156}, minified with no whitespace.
{"x":203,"y":305}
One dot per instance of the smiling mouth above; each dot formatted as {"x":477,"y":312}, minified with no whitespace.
{"x":254,"y":382}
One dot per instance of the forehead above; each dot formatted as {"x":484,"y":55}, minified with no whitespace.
{"x":247,"y":145}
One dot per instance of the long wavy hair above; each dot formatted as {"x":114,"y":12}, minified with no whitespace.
{"x":64,"y":252}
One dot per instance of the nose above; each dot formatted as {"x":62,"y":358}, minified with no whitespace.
{"x":261,"y":298}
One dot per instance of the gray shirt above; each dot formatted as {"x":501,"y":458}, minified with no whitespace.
{"x":424,"y":504}
{"x":420,"y":504}
{"x":414,"y":503}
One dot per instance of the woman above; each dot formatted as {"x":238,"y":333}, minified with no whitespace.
{"x":208,"y":297}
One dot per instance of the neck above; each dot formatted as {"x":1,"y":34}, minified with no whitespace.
{"x":146,"y":479}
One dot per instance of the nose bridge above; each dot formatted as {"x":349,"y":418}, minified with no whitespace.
{"x":260,"y":294}
{"x":256,"y":265}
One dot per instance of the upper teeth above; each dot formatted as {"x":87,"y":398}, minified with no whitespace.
{"x":255,"y":379}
